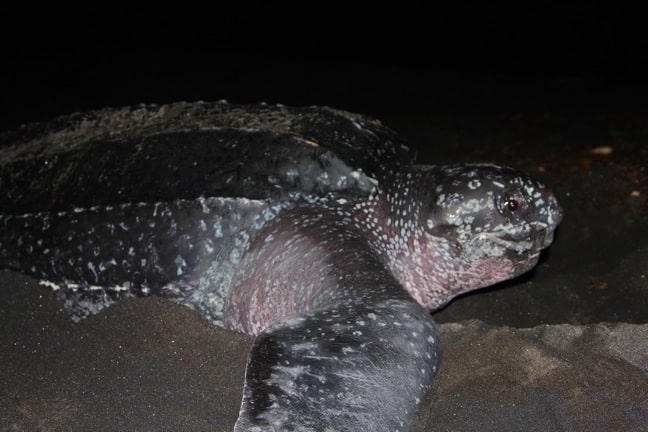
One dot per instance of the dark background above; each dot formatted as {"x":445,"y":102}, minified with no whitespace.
{"x":463,"y":58}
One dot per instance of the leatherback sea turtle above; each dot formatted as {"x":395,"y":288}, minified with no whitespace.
{"x":308,"y":227}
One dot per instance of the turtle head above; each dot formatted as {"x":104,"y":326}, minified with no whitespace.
{"x":478,"y":225}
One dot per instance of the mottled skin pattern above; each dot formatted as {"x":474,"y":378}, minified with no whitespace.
{"x":454,"y":229}
{"x":335,"y":277}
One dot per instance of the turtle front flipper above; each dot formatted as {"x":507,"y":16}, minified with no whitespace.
{"x":348,"y":368}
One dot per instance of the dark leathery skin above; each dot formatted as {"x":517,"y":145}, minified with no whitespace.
{"x":354,"y":367}
{"x":308,"y":227}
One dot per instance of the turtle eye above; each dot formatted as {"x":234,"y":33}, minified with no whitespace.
{"x":512,"y":202}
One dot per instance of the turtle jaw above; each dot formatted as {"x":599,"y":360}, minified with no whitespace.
{"x":497,"y":258}
{"x":524,"y":265}
{"x":486,"y":270}
{"x":494,"y":244}
{"x":439,"y":269}
{"x":491,"y":270}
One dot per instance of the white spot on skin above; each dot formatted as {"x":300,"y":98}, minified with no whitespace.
{"x":182,"y":265}
{"x":92,"y":269}
{"x":474,"y":184}
{"x":235,"y":256}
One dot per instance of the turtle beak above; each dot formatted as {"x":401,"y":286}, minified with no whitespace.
{"x":552,"y":216}
{"x":543,"y":240}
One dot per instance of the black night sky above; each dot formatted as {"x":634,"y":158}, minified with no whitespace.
{"x":479,"y":57}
